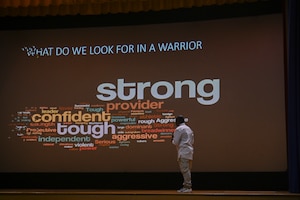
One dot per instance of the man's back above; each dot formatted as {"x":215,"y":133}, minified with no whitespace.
{"x":184,"y":140}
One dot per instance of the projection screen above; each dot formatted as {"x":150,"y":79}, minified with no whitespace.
{"x":105,"y":99}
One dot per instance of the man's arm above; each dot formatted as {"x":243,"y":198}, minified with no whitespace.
{"x":176,"y":138}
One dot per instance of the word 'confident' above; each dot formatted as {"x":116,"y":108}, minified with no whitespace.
{"x":161,"y":90}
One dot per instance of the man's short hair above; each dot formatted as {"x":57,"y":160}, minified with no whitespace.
{"x":179,"y":119}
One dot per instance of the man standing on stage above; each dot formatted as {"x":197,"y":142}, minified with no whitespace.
{"x":183,"y":139}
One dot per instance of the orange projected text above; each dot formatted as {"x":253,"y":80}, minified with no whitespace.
{"x":68,"y":116}
{"x":124,"y":137}
{"x":133,"y":106}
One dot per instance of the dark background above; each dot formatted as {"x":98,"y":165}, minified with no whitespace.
{"x":206,"y":180}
